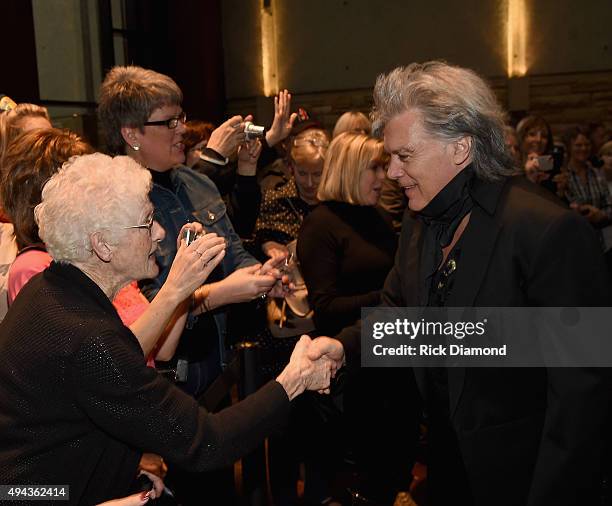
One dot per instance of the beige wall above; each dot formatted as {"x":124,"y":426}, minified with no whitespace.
{"x":67,"y":49}
{"x":68,"y":59}
{"x":330,"y":51}
{"x":569,"y":36}
{"x":326,"y":45}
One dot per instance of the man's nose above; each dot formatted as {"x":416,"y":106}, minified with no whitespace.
{"x":394,"y":171}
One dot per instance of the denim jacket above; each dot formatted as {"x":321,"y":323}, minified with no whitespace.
{"x":195,"y":198}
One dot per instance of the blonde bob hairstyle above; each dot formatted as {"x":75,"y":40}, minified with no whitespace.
{"x":352,"y":121}
{"x":348,"y":156}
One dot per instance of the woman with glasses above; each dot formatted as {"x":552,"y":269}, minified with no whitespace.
{"x":141,"y":114}
{"x":140,"y":111}
{"x":78,"y":403}
{"x":285,"y":206}
{"x":31,"y":160}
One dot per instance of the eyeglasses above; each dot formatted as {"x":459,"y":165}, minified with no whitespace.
{"x":171,"y":123}
{"x":313,"y":141}
{"x":148,"y":225}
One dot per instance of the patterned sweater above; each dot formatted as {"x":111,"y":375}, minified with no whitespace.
{"x":281,"y":214}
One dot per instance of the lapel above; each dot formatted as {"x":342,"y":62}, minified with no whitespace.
{"x":478,"y":244}
{"x":411,"y":280}
{"x":413,"y":266}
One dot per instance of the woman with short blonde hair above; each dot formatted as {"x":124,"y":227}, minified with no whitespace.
{"x":352,"y":121}
{"x":349,"y":155}
{"x":345,"y":249}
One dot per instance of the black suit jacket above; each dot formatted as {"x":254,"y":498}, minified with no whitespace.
{"x":526,"y":436}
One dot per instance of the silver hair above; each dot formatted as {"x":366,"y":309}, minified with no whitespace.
{"x":455,"y":102}
{"x":90,"y":193}
{"x":128,"y":96}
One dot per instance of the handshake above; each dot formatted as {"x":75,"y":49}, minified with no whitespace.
{"x":312,"y":365}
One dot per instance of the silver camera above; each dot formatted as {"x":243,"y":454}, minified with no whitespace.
{"x":189,"y":236}
{"x":252,"y":131}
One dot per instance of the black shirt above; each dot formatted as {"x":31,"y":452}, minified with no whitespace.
{"x":345,"y":253}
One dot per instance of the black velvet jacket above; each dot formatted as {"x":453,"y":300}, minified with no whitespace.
{"x":78,"y":405}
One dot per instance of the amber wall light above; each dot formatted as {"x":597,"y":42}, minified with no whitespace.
{"x":269,"y":59}
{"x":517,"y":38}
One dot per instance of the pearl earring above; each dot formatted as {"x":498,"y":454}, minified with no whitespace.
{"x":135,"y":147}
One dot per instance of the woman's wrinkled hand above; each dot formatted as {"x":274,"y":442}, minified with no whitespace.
{"x":193,"y":264}
{"x":141,"y":497}
{"x":305,"y":373}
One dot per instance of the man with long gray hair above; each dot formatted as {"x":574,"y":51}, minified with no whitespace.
{"x":485,"y":237}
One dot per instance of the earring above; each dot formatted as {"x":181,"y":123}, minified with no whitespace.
{"x":135,"y":147}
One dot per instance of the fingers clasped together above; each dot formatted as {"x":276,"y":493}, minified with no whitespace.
{"x":312,"y":365}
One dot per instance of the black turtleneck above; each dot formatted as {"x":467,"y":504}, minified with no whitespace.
{"x":345,"y":252}
{"x":162,"y":179}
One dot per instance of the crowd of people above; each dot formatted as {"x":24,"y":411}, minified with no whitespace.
{"x":181,"y":238}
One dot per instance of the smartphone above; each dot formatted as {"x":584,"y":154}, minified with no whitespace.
{"x":545,"y":163}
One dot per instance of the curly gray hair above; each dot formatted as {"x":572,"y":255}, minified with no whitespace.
{"x":79,"y":200}
{"x":455,"y":102}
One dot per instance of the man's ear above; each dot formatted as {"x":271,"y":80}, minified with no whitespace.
{"x":462,"y":150}
{"x":100,"y":247}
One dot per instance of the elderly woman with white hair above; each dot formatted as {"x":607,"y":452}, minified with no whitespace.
{"x":78,"y":403}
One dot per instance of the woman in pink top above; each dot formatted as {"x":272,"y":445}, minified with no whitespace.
{"x":130,"y":303}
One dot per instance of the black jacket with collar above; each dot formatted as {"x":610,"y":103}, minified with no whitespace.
{"x":526,"y":436}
